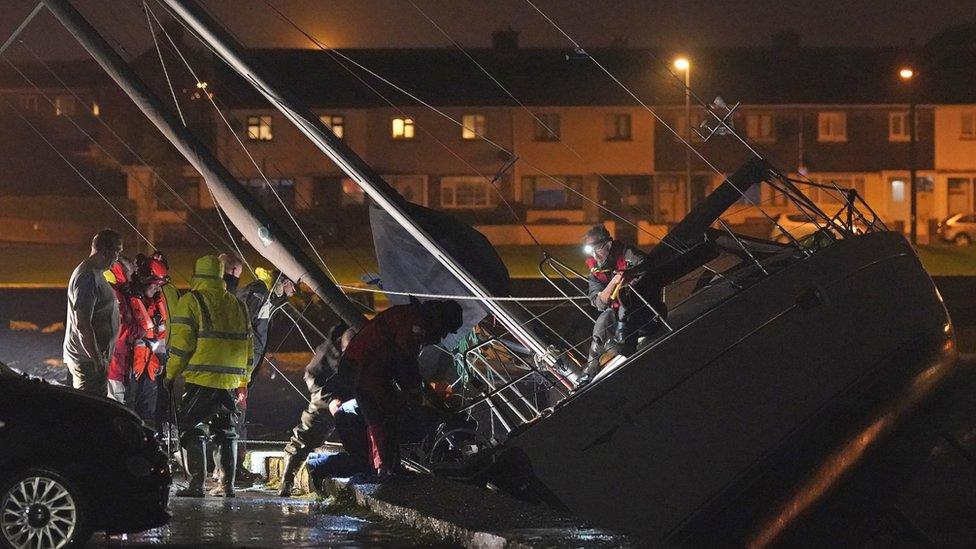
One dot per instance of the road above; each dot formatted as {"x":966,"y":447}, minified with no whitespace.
{"x":259,"y":519}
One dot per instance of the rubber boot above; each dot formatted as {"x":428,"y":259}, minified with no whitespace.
{"x":293,"y":462}
{"x":228,"y":469}
{"x":593,"y":359}
{"x":195,"y":459}
{"x":624,"y":339}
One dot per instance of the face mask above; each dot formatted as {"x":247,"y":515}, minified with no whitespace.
{"x":231,"y":282}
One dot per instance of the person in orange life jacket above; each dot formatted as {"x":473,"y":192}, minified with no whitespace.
{"x":379,"y":367}
{"x":608,"y":261}
{"x":119,"y":276}
{"x":149,"y":349}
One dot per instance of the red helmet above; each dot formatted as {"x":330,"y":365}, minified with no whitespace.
{"x":153,"y":269}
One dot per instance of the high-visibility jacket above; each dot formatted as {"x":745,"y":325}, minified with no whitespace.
{"x":210,"y":336}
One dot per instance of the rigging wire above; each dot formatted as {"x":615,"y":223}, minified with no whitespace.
{"x":604,"y":179}
{"x":76,"y":170}
{"x":335,"y":53}
{"x":658,"y":118}
{"x":227,"y":123}
{"x":121,"y":141}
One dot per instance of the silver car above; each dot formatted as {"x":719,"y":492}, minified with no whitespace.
{"x":960,"y":229}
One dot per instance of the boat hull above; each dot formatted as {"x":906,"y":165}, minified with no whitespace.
{"x":788,"y":398}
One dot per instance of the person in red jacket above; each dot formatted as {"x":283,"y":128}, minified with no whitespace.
{"x":380,"y":368}
{"x":148,"y":349}
{"x":119,"y":276}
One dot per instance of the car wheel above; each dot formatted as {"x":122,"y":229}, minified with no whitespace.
{"x":40,"y":509}
{"x":962,"y":239}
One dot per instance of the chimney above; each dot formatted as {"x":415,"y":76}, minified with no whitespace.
{"x":505,"y":40}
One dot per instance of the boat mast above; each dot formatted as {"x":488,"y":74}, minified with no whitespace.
{"x":372,"y":184}
{"x":248,"y":216}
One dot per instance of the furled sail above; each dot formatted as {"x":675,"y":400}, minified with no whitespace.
{"x":406,"y":266}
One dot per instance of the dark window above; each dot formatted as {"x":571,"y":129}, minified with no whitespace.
{"x":552,"y":193}
{"x":617,"y":127}
{"x":546,"y":127}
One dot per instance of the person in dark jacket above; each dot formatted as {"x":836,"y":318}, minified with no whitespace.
{"x":263,"y":297}
{"x":317,"y":421}
{"x":608,"y":262}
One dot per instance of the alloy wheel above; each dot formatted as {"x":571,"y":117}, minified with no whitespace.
{"x":38,"y":512}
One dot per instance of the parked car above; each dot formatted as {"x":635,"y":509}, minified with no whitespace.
{"x":71,"y":464}
{"x":960,"y":229}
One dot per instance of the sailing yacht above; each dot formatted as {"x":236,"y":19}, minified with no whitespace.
{"x":783,"y":396}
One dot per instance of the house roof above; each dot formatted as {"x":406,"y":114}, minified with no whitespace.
{"x":555,"y":77}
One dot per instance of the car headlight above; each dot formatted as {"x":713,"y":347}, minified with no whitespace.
{"x":130,"y":432}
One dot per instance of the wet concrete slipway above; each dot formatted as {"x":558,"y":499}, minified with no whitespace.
{"x":260,"y":519}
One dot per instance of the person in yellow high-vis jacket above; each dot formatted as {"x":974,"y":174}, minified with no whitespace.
{"x":210,"y":346}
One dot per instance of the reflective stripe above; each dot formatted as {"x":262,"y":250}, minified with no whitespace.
{"x":204,"y":311}
{"x":216,"y":369}
{"x":222,"y":335}
{"x":182,"y":320}
{"x":179,"y":352}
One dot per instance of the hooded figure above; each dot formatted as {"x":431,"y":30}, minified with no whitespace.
{"x":211,"y":348}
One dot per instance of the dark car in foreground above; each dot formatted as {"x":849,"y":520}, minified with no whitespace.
{"x":72,"y":464}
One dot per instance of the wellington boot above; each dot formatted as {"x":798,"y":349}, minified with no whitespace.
{"x":195,"y":460}
{"x":290,"y":467}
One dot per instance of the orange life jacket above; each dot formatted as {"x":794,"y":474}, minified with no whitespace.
{"x":151,"y":314}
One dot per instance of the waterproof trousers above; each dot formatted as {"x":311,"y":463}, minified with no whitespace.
{"x":603,"y":333}
{"x":314,"y":427}
{"x":140,"y":397}
{"x":206,"y":412}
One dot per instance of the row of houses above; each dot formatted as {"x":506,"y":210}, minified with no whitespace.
{"x":562,"y":145}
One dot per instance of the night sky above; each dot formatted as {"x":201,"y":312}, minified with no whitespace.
{"x":673,"y":24}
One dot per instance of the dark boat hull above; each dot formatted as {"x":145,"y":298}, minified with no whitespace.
{"x":770,"y":413}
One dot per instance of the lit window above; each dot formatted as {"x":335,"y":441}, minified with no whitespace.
{"x":898,"y":127}
{"x":968,"y":125}
{"x":832,"y":126}
{"x":760,"y":127}
{"x":335,"y":123}
{"x":617,"y":127}
{"x":403,"y":128}
{"x":553,"y":193}
{"x":546,"y":127}
{"x":897,"y":190}
{"x":259,"y":128}
{"x":466,"y":192}
{"x":473,"y":126}
{"x":64,"y":105}
{"x":96,"y":110}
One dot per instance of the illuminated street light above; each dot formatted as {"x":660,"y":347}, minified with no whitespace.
{"x":684,"y":65}
{"x":907,"y":74}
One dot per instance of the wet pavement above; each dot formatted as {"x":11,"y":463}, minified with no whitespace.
{"x":260,"y":519}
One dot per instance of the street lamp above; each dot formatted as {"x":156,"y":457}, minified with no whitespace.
{"x":684,"y":65}
{"x":907,"y":74}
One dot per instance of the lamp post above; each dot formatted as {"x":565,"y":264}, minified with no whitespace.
{"x":907,"y":75}
{"x":682,"y":64}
